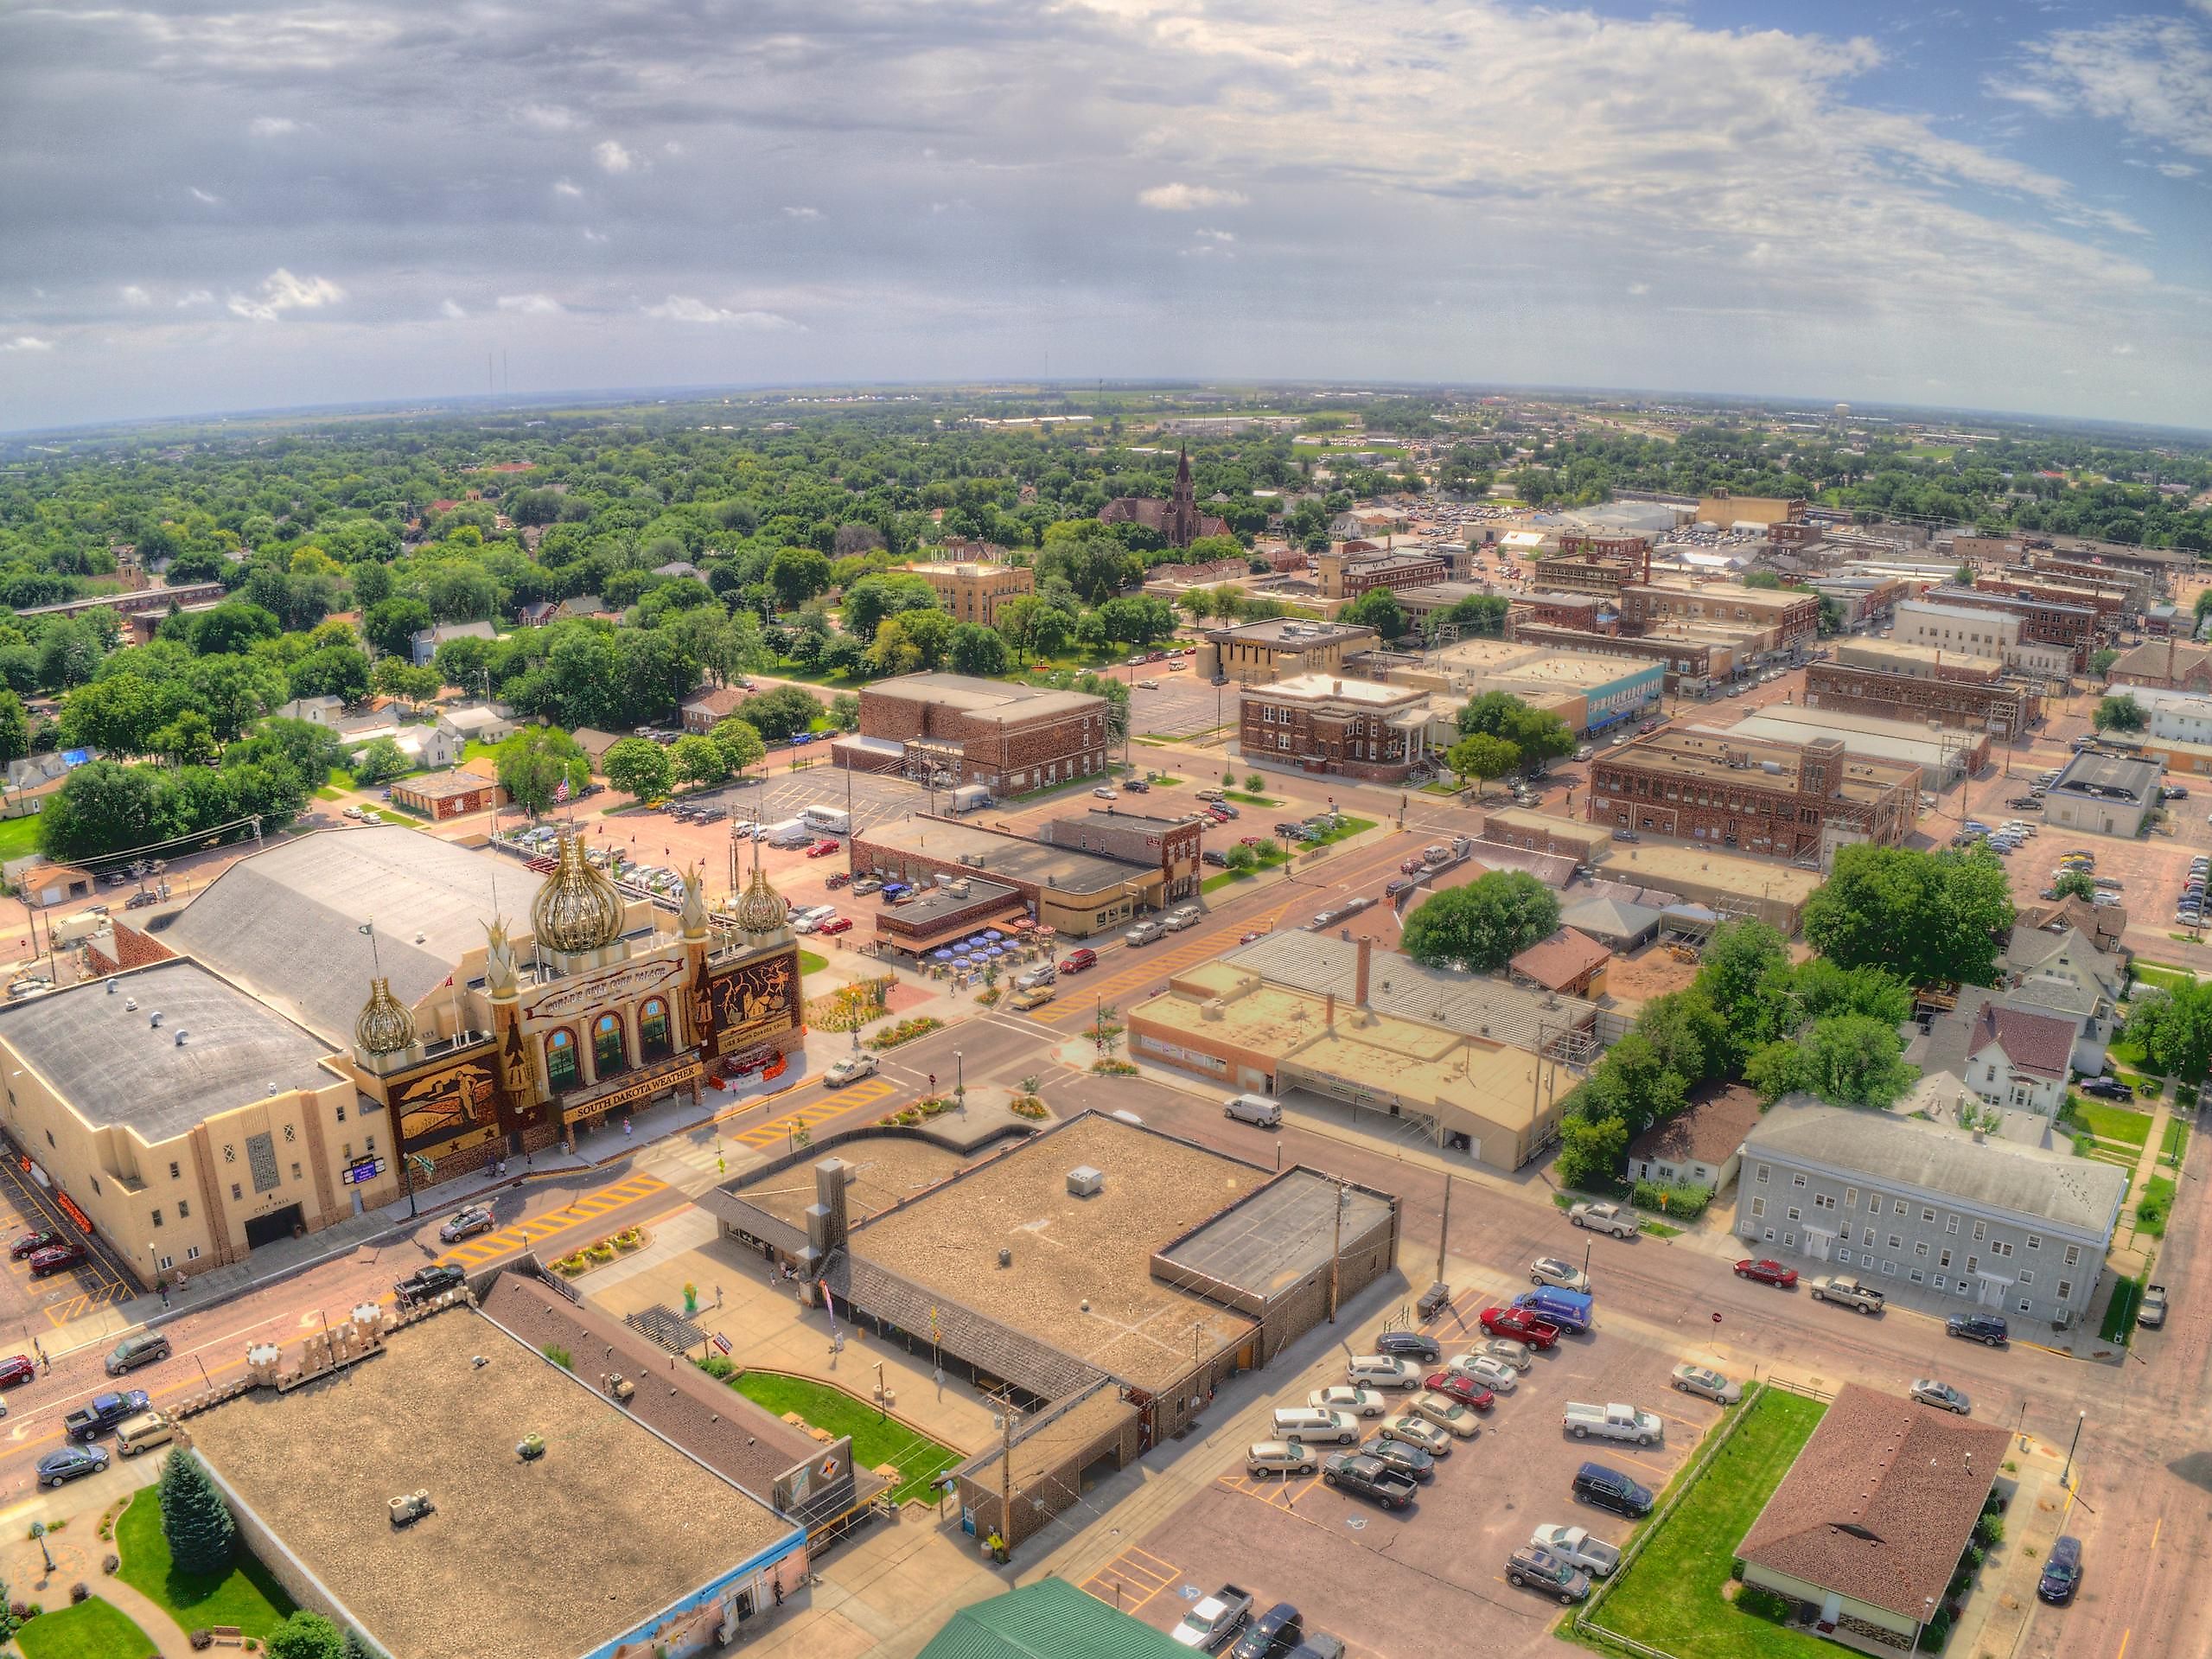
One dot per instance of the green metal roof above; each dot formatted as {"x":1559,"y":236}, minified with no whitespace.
{"x":1050,"y":1619}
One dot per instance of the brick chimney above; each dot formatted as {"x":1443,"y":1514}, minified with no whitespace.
{"x":1359,"y":983}
{"x":1329,"y":1010}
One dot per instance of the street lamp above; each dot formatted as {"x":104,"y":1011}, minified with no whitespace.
{"x":959,"y":1082}
{"x":2079,"y":1420}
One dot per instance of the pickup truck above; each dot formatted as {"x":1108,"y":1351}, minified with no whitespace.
{"x":2152,"y":1312}
{"x":1845,"y":1291}
{"x":90,"y":1421}
{"x":1521,"y":1326}
{"x":1606,"y":1218}
{"x":426,"y":1282}
{"x":1613,"y":1422}
{"x":1369,"y":1476}
{"x":1575,"y":1546}
{"x":1207,"y":1627}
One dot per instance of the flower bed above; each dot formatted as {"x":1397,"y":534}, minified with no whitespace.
{"x":921,"y":1111}
{"x":1027,"y":1106}
{"x":600,"y":1252}
{"x":905,"y":1031}
{"x":1111,"y":1068}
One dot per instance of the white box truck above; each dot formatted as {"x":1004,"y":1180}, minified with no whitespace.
{"x":833,"y":821}
{"x":793,"y":832}
{"x":971,"y":797}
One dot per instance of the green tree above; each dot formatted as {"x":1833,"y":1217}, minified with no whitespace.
{"x":357,"y":1646}
{"x":2100,"y":662}
{"x":1929,"y":918}
{"x":872,"y":598}
{"x":392,"y":624}
{"x":202,"y":1537}
{"x":639,"y":766}
{"x":188,"y":740}
{"x":463,"y":660}
{"x":1141,"y":619}
{"x":1482,"y":756}
{"x":845,"y":711}
{"x":1539,"y":734}
{"x":1592,"y":1151}
{"x":776,"y":714}
{"x":742,"y":746}
{"x":309,"y":750}
{"x":2076,"y":883}
{"x":14,"y":729}
{"x":101,"y":807}
{"x":381,"y":761}
{"x":1481,"y":925}
{"x":227,"y":629}
{"x":305,"y":1635}
{"x":1845,"y":1060}
{"x":698,"y":759}
{"x":533,"y":760}
{"x":979,"y":650}
{"x":798,"y":574}
{"x":2120,"y":713}
{"x":1821,"y":988}
{"x":912,"y":641}
{"x":2175,"y":1027}
{"x":397,"y":676}
{"x":1743,"y":975}
{"x":337,"y":671}
{"x":1378,"y":608}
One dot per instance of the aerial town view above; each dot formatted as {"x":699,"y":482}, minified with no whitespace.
{"x":1105,"y":831}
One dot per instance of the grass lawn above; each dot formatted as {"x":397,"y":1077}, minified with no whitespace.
{"x":2112,"y":1123}
{"x":2153,"y":1206}
{"x":1670,"y":1598}
{"x":2175,"y":1146}
{"x":2125,"y":1052}
{"x":2166,"y":979}
{"x":1344,"y":830}
{"x":18,"y":836}
{"x":245,"y":1596}
{"x":91,"y":1629}
{"x":875,"y":1440}
{"x":810,"y":963}
{"x":2119,"y":1313}
{"x":1245,"y":797}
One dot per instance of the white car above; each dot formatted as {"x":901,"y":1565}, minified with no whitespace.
{"x":1105,"y":794}
{"x":1494,"y":1375}
{"x":1701,"y":1380}
{"x":1360,"y":1402}
{"x":1942,"y":1396}
{"x":849,"y":1070}
{"x":1506,"y":1351}
{"x":1382,"y":1371}
{"x":1551,"y":1270}
{"x":1417,"y":1431}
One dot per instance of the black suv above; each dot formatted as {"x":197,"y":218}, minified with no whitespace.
{"x":1985,"y":1327}
{"x":1609,"y":1488}
{"x":1408,"y":1344}
{"x":1271,"y":1635}
{"x":426,"y":1282}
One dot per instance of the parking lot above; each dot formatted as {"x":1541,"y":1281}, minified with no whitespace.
{"x":1180,"y":705}
{"x":32,"y":1305}
{"x":1368,"y":1575}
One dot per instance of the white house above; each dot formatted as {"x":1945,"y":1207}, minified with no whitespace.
{"x":485,"y":722}
{"x":427,"y":640}
{"x":2018,"y":1059}
{"x":1701,"y":1147}
{"x":2063,"y":976}
{"x":428,"y":749}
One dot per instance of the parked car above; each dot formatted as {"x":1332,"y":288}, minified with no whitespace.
{"x":1613,"y":1422}
{"x":1446,"y":1413}
{"x":851,"y":1069}
{"x":57,"y":1258}
{"x":426,"y":1282}
{"x":1494,"y":1375}
{"x":865,"y":885}
{"x":1576,"y":1546}
{"x":1035,"y":997}
{"x":2061,"y":1573}
{"x":67,"y":1463}
{"x":1270,"y":1636}
{"x":1942,"y":1395}
{"x":2105,"y":1088}
{"x":1621,"y":1223}
{"x":1987,"y":1329}
{"x":102,"y":1413}
{"x":836,"y":924}
{"x":1410,"y":1430}
{"x":1766,"y":1271}
{"x":30,"y":1243}
{"x":1522,"y":1327}
{"x":1408,"y":1460}
{"x":1561,"y":1274}
{"x":144,"y":1348}
{"x":1609,"y":1488}
{"x":15,"y":1370}
{"x":1208,"y":1626}
{"x":1505,"y":1350}
{"x":1382,"y":1371}
{"x":1845,"y":1291}
{"x":1105,"y":794}
{"x":466,"y":1223}
{"x":1142,"y":934}
{"x":1265,"y":1459}
{"x":1076,"y":960}
{"x":1360,"y":1402}
{"x":1539,"y":1569}
{"x":1370,"y":1478}
{"x":823,"y":848}
{"x":2152,"y":1311}
{"x":1698,"y":1380}
{"x":1457,"y":1385}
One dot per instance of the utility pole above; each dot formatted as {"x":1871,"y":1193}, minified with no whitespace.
{"x":1444,"y":1230}
{"x":1336,"y":1254}
{"x":1006,"y":1476}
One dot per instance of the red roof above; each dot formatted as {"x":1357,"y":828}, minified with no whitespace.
{"x":1562,"y":960}
{"x":2033,"y":1042}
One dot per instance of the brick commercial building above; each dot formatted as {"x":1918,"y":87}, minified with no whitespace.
{"x":2109,"y":600}
{"x":1256,"y":653}
{"x":1724,"y":884}
{"x":1725,"y":509}
{"x":441,"y":795}
{"x":1795,"y":617}
{"x":2072,"y":628}
{"x":1534,"y":832}
{"x":1076,"y":892}
{"x":1584,"y":613}
{"x":1345,"y":728}
{"x":2142,"y":588}
{"x":1588,"y":691}
{"x":2003,"y":710}
{"x":1599,"y":565}
{"x":1795,"y":801}
{"x":1690,"y":663}
{"x":974,"y":592}
{"x":1346,"y":575}
{"x":1980,"y":631}
{"x":1943,"y":757}
{"x":1172,"y":845}
{"x":1009,"y":738}
{"x":2167,"y":665}
{"x":1920,"y":661}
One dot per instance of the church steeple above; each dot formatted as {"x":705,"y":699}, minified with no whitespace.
{"x":1183,"y":510}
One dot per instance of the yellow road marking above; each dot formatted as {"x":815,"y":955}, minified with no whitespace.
{"x":2124,"y":1635}
{"x":2157,"y":1529}
{"x":538,"y":1228}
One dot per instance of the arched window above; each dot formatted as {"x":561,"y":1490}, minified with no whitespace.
{"x":609,"y":1054}
{"x":652,"y":1030}
{"x":560,"y":1059}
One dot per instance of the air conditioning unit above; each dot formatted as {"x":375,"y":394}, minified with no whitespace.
{"x":1084,"y":1182}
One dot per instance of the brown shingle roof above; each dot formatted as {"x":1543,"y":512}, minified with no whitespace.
{"x":1711,"y":1131}
{"x":2033,"y":1042}
{"x":1562,"y":960}
{"x":1880,"y":1503}
{"x":721,"y":701}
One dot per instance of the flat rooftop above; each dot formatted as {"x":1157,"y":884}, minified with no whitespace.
{"x":985,"y":700}
{"x":1012,"y":858}
{"x":2093,"y":772}
{"x":1696,"y":753}
{"x":1289,"y":632}
{"x":443,"y":786}
{"x":1896,"y":657}
{"x":1337,"y":688}
{"x":937,"y":902}
{"x":637,"y":1524}
{"x":1069,"y":1250}
{"x":1281,"y":1233}
{"x":1911,"y":745}
{"x":1657,"y":866}
{"x":881,"y":1172}
{"x":1471,"y":1003}
{"x":115,"y":1067}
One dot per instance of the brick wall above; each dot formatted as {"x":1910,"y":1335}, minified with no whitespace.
{"x":1745,"y":807}
{"x":1007,"y":756}
{"x":2004,"y":710}
{"x":1361,"y":746}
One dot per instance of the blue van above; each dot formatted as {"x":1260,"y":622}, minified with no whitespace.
{"x":1569,"y":1310}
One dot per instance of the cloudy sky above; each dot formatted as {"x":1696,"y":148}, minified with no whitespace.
{"x":1989,"y":204}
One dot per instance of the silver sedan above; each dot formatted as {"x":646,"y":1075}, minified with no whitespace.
{"x":1942,"y":1395}
{"x":1700,"y":1380}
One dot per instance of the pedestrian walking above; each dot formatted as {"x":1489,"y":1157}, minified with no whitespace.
{"x":163,"y":1287}
{"x":625,"y":1128}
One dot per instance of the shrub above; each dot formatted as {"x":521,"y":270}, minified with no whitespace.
{"x":1936,"y":1631}
{"x":1990,"y":1529}
{"x":719,"y":1368}
{"x":77,"y":1592}
{"x":202,"y":1640}
{"x":1682,"y":1203}
{"x":1104,"y":1068}
{"x":1736,"y":1569}
{"x":560,"y":1356}
{"x":1765,"y":1604}
{"x":1960,"y":1583}
{"x":112,"y":1564}
{"x":1974,"y":1557}
{"x":1033,"y":1109}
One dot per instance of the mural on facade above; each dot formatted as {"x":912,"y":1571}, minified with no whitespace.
{"x":444,"y":1104}
{"x":759,"y":1000}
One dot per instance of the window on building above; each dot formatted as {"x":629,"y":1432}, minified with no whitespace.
{"x":1950,"y":1224}
{"x":1851,"y":1196}
{"x":1942,"y":1282}
{"x":1792,"y":1214}
{"x":1889,"y":1269}
{"x":1867,"y":1238}
{"x":1927,"y":1216}
{"x":236,"y":1195}
{"x":1973,"y":1264}
{"x":192,"y":1253}
{"x":2065,"y":1289}
{"x":1981,"y":1231}
{"x":1999,"y":1248}
{"x":295,"y":1172}
{"x":166,"y":1263}
{"x":1768,"y":1236}
{"x":2027,"y":1275}
{"x":175,"y":1173}
{"x":1844,"y":1256}
{"x":1895,"y":1243}
{"x":157,"y":1218}
{"x":1763,"y":1171}
{"x":1874,"y":1203}
{"x":2073,"y":1254}
{"x":1899,"y":1207}
{"x":653,"y":1029}
{"x":1797,"y":1180}
{"x":1758,"y":1206}
{"x":342,"y":1111}
{"x":1921,"y":1250}
{"x":561,"y":1069}
{"x":611,"y":1051}
{"x":2034,"y":1242}
{"x":1824,"y":1201}
{"x":1943,"y":1260}
{"x":1789,"y":1239}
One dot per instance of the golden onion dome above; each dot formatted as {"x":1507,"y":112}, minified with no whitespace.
{"x":763,"y":909}
{"x":577,"y":909}
{"x":384,"y":1026}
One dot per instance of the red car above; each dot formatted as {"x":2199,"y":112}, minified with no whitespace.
{"x":822,"y":849}
{"x":1769,"y":1273}
{"x":835,"y":924}
{"x":15,"y":1370}
{"x":1521,"y":1326}
{"x":45,"y":1239}
{"x":1410,"y":866}
{"x":836,"y":881}
{"x":54,"y":1259}
{"x":1079,"y":960}
{"x":1464,"y":1389}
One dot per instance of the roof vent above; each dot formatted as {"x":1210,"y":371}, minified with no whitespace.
{"x":181,"y":1035}
{"x":155,"y":1019}
{"x":1005,"y":1258}
{"x":1084,"y":1182}
{"x":131,"y":1003}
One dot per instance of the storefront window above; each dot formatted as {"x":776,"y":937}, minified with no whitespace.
{"x":653,"y":1029}
{"x":560,"y":1059}
{"x":609,"y":1052}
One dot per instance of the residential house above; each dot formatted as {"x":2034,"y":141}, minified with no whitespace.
{"x":2103,"y":925}
{"x":2018,"y":1059}
{"x":1989,"y":1223}
{"x":1701,"y":1147}
{"x":425,"y":641}
{"x":703,"y":713}
{"x":317,"y":710}
{"x":482,"y":723}
{"x":2063,"y":975}
{"x":428,"y":749}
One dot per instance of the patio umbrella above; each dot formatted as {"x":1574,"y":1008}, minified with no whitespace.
{"x":940,"y":955}
{"x":993,"y":934}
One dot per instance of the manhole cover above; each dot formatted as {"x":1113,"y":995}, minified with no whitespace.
{"x":667,"y":1327}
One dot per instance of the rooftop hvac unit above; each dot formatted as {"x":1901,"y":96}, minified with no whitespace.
{"x":1084,"y":1182}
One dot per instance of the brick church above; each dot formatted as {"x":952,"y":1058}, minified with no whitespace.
{"x":1177,"y":518}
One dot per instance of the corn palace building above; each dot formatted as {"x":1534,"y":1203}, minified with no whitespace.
{"x":350,"y":1014}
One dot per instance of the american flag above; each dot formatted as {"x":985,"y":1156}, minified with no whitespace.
{"x":561,"y":792}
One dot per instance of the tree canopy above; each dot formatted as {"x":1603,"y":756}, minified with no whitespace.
{"x":1930,"y":918}
{"x":1481,"y":925}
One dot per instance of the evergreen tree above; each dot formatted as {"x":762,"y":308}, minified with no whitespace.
{"x":359,"y":1646}
{"x":201,"y":1535}
{"x":306,"y":1636}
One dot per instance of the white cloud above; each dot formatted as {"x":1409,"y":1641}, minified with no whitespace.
{"x":2147,"y":73}
{"x":1187,"y":198}
{"x":271,"y":126}
{"x":549,"y":118}
{"x":591,"y":235}
{"x":612,"y":158}
{"x":196,"y":296}
{"x":682,"y":308}
{"x":281,"y":291}
{"x":2123,"y":350}
{"x":802,"y":213}
{"x":673,"y":147}
{"x":1218,"y":236}
{"x":200,"y":196}
{"x":134,"y":295}
{"x":562,"y":187}
{"x":26,"y":342}
{"x":531,"y":304}
{"x":451,"y":311}
{"x":2179,"y":169}
{"x":1639,"y":287}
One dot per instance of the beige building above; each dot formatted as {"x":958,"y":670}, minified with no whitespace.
{"x":1980,"y":634}
{"x":974,"y":592}
{"x":1256,"y":653}
{"x":1775,"y":893}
